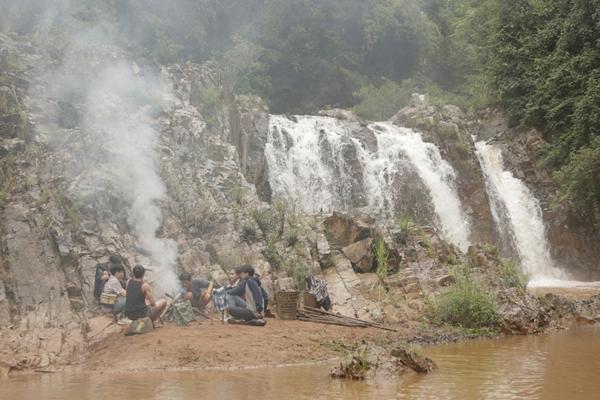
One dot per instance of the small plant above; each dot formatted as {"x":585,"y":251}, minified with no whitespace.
{"x":468,"y":303}
{"x":272,"y":255}
{"x":264,"y":220}
{"x":292,"y":237}
{"x":281,"y":211}
{"x":511,"y":275}
{"x":249,"y":233}
{"x":462,"y":148}
{"x":406,"y":228}
{"x":239,"y":196}
{"x":381,"y":254}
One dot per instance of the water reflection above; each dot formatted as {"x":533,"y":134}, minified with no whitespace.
{"x":564,"y":365}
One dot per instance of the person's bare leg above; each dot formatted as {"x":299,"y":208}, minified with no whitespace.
{"x":157,"y":310}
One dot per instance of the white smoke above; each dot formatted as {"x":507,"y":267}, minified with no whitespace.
{"x":117,"y":104}
{"x":120,"y":106}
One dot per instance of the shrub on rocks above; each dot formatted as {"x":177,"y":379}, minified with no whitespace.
{"x":469,"y":303}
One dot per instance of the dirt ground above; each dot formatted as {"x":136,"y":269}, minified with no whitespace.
{"x":212,"y":344}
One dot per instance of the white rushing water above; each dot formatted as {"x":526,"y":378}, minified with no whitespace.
{"x":437,"y":174}
{"x":317,"y":165}
{"x":516,"y":208}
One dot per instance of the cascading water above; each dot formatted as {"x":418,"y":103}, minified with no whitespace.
{"x":518,"y":214}
{"x":394,"y":143}
{"x":319,"y":164}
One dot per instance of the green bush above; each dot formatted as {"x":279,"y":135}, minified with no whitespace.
{"x":469,"y":303}
{"x":580,"y":180}
{"x":511,"y":275}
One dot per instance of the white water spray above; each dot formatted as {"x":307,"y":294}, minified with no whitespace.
{"x":308,"y":167}
{"x":511,"y":200}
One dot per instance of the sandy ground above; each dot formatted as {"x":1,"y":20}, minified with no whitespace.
{"x":217,"y":345}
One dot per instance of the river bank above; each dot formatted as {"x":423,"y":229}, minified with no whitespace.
{"x":214,"y":345}
{"x":211,"y":344}
{"x":525,"y":367}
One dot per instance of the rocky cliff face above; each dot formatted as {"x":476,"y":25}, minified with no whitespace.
{"x":61,"y":215}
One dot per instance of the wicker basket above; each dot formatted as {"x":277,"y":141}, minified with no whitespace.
{"x":108,"y":299}
{"x":287,"y":304}
{"x":309,"y":300}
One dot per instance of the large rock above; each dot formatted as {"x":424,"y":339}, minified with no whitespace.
{"x":342,"y":230}
{"x":521,"y":314}
{"x":360,"y":254}
{"x":348,"y":293}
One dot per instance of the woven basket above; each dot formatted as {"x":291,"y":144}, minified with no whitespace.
{"x":309,"y":300}
{"x":287,"y":304}
{"x":108,"y":299}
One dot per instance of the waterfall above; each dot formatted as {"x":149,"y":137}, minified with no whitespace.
{"x":518,"y":215}
{"x":321,"y":164}
{"x":437,"y":174}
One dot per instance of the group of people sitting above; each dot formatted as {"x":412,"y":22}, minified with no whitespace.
{"x":133,"y":297}
{"x":242,"y":300}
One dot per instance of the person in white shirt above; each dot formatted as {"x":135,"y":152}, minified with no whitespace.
{"x":113,"y":286}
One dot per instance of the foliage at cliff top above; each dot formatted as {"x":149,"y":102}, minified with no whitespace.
{"x":539,"y":60}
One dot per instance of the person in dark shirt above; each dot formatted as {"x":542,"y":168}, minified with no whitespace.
{"x":242,"y":296}
{"x":198,"y":290}
{"x":236,"y":290}
{"x":254,"y":287}
{"x":139,"y":301}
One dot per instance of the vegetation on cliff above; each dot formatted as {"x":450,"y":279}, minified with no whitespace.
{"x":537,"y":60}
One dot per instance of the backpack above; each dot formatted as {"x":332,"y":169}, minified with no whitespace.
{"x":183,"y":312}
{"x":98,"y":282}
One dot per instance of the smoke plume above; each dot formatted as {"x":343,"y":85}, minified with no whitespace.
{"x":117,"y":102}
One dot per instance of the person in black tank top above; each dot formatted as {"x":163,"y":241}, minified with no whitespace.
{"x":139,"y":295}
{"x":135,"y":303}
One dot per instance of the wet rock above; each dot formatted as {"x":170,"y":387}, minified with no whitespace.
{"x":367,"y":138}
{"x":342,"y":230}
{"x":416,"y":362}
{"x":360,"y":254}
{"x":520,"y":313}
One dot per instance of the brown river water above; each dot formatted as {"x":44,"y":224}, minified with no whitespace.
{"x":561,"y":365}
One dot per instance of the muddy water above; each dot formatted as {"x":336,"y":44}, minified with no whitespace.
{"x":563,"y":365}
